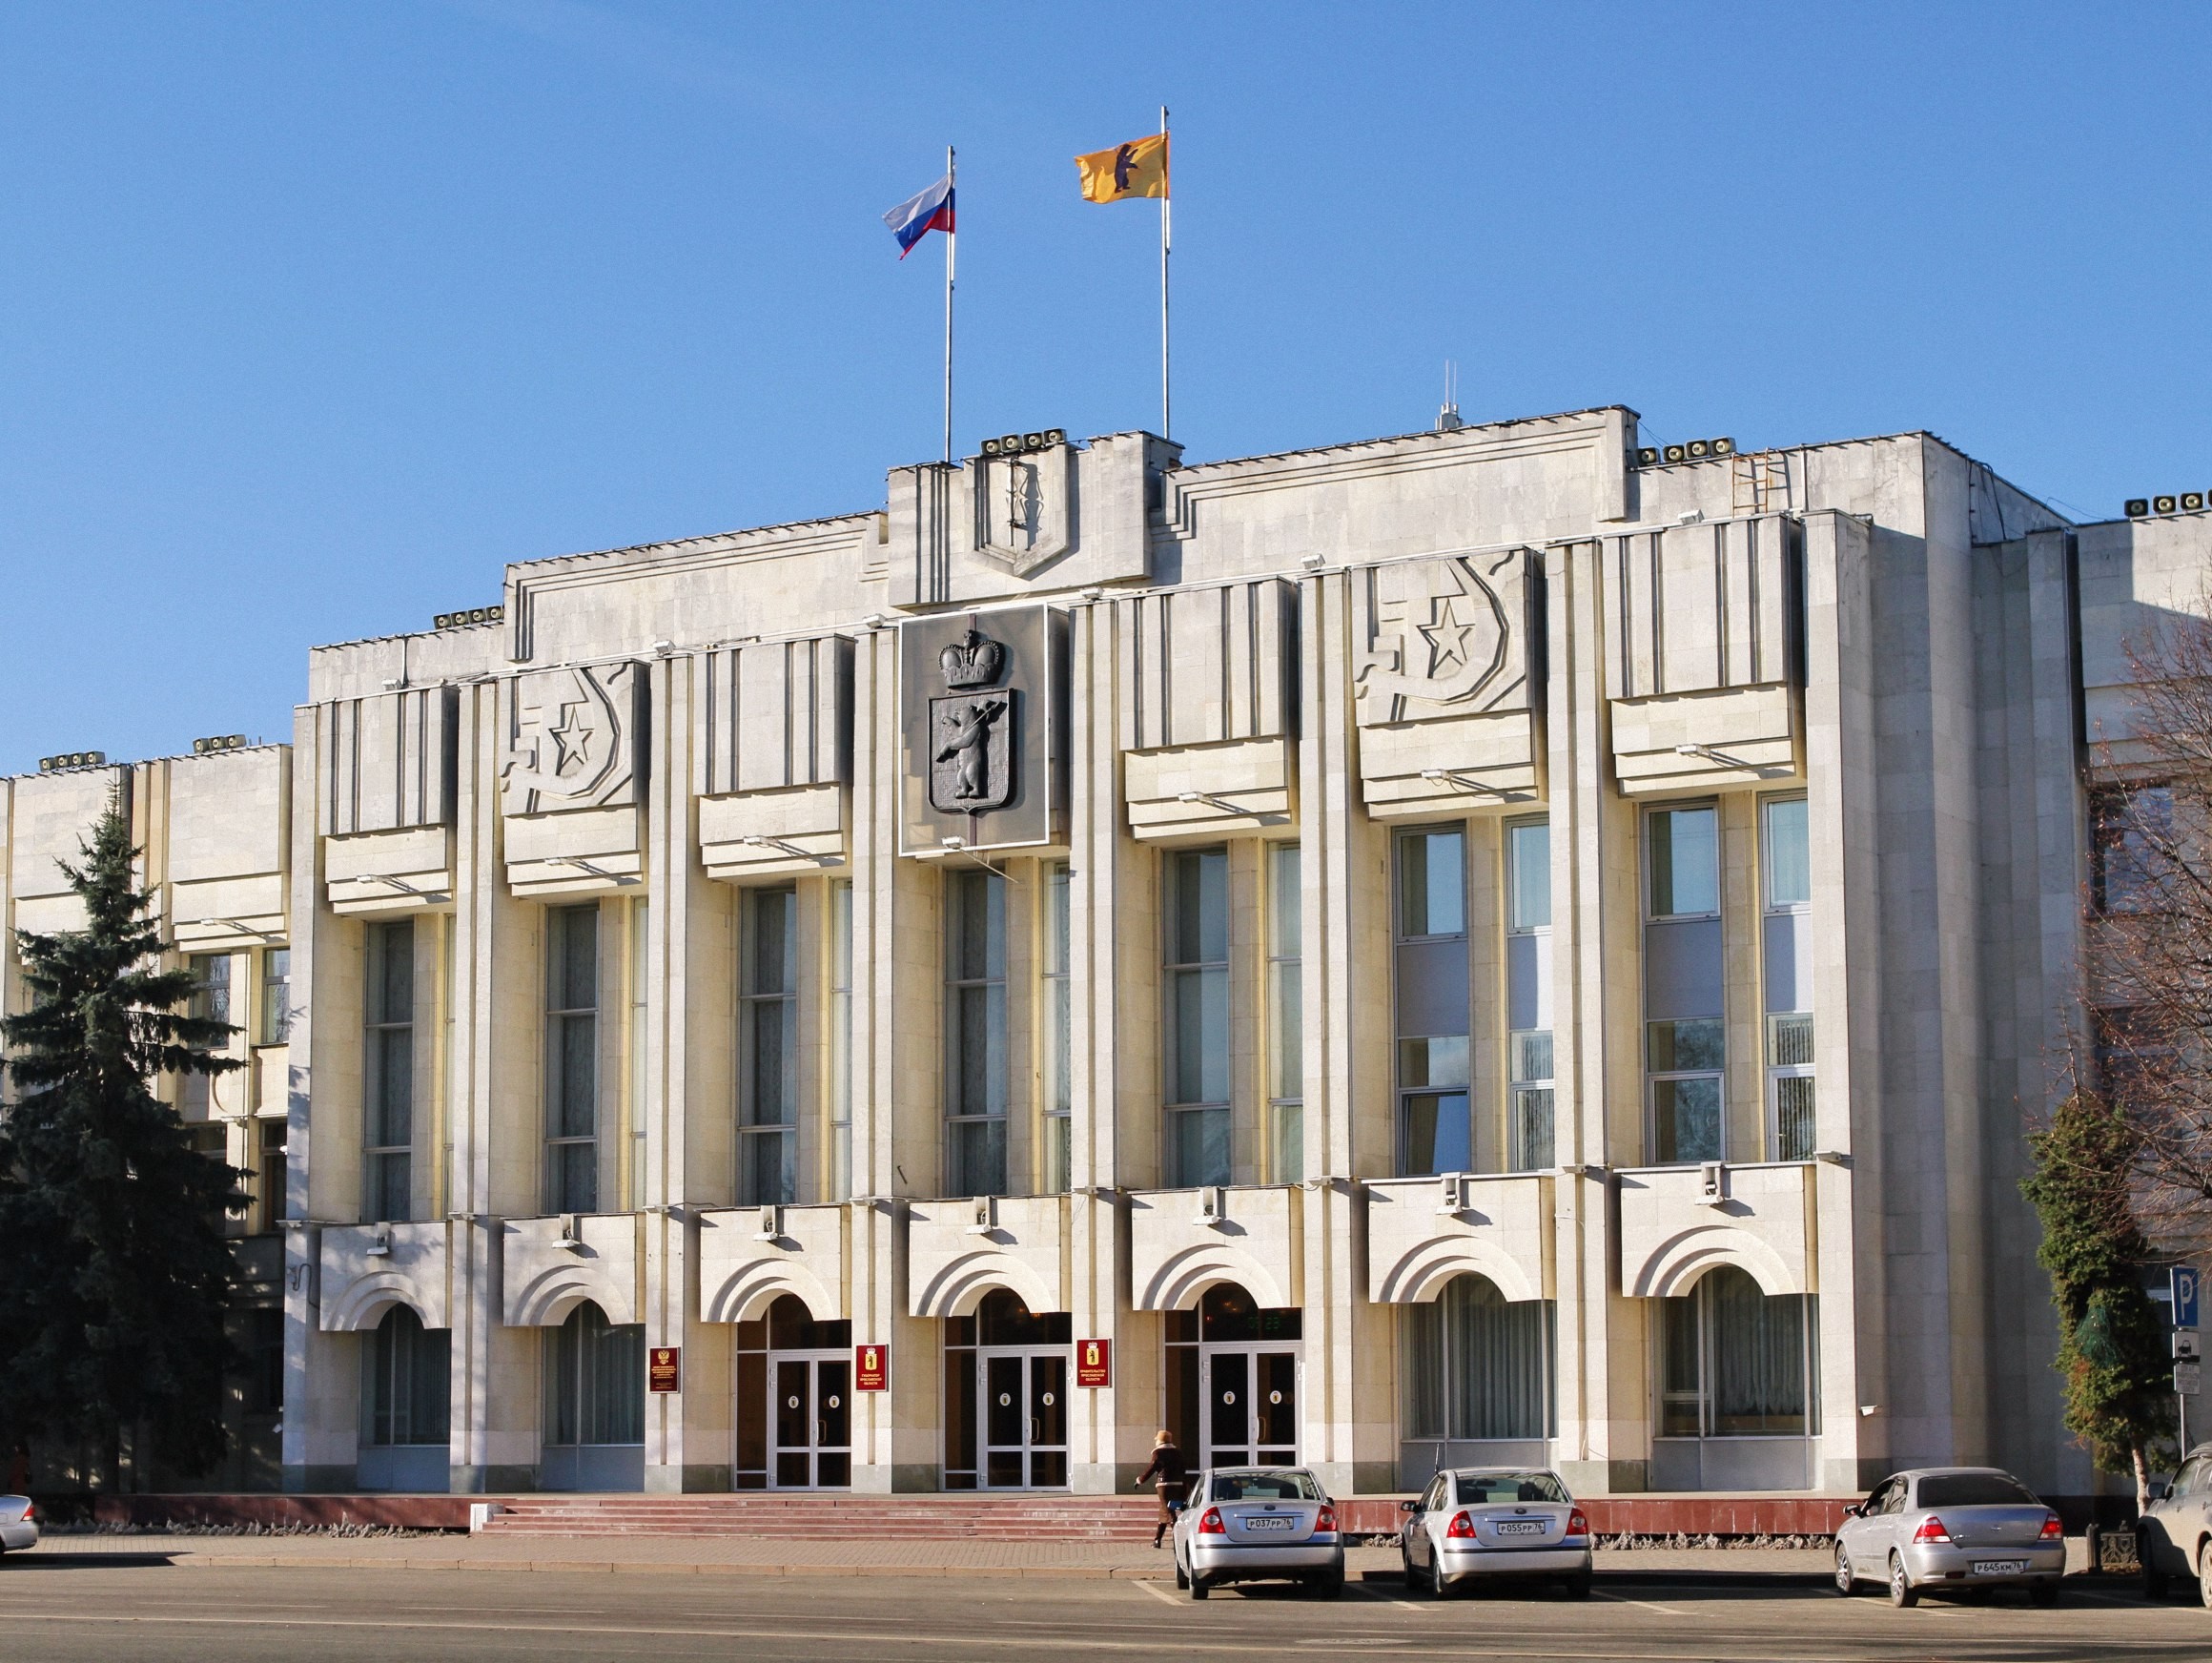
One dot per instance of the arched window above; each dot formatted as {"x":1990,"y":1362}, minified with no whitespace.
{"x":406,"y":1390}
{"x":595,"y":1380}
{"x":1735,"y":1361}
{"x":1478,"y":1365}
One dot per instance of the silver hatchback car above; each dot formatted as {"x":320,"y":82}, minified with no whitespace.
{"x":1963,"y":1528}
{"x":1245,"y":1524}
{"x":2175,"y":1538}
{"x":1474,"y":1523}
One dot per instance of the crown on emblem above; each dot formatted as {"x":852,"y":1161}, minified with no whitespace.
{"x":973,"y":660}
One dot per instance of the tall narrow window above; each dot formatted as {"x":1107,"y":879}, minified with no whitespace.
{"x":1060,"y":1033}
{"x":572,"y":1059}
{"x":1789,"y":977}
{"x":211,"y":1003}
{"x":595,"y":1380}
{"x":840,"y":1038}
{"x":975,"y":1032}
{"x":1684,"y":1033}
{"x":1435,"y":1132}
{"x":1197,"y":998}
{"x":768,"y":1048}
{"x":409,"y":1371}
{"x":1528,"y":1120}
{"x":2131,"y":846}
{"x":269,"y":1175}
{"x":640,"y":935}
{"x":1285,"y":1015}
{"x":276,"y":995}
{"x":389,"y":1125}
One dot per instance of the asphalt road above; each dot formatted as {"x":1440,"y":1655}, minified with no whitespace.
{"x":61,"y":1611}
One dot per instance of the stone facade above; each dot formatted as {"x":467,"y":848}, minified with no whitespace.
{"x":1474,"y":944}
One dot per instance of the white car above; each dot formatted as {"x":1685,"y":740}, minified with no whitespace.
{"x":18,"y":1524}
{"x":1474,"y":1523}
{"x":1245,"y":1523}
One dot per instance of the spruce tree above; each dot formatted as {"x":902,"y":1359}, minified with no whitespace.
{"x":111,"y":1223}
{"x":2112,"y":1343}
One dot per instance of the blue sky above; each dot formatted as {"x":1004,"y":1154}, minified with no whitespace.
{"x":314,"y":315}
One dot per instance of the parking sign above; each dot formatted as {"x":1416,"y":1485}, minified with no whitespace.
{"x":2182,"y":1279}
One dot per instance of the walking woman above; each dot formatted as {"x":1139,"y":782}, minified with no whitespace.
{"x":1167,"y":1475}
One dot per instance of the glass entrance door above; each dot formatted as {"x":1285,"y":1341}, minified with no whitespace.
{"x":1249,"y":1395}
{"x":810,"y":1421}
{"x":1025,"y":1419}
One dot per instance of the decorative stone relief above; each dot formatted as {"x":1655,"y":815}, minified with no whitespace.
{"x":978,"y":701}
{"x":572,"y":739}
{"x":1441,"y":677}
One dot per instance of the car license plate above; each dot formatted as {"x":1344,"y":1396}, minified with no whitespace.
{"x":1999,"y":1566}
{"x":1268,"y":1524}
{"x":1520,"y":1527}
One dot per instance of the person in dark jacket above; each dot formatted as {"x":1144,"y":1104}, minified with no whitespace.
{"x":1167,"y":1475}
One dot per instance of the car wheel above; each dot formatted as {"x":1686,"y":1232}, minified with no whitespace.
{"x":1577,"y":1585}
{"x":2205,"y":1573}
{"x":1181,"y":1581}
{"x":2045,"y":1593}
{"x":2153,"y":1582}
{"x":1198,"y":1589}
{"x":1330,"y":1584}
{"x":1846,"y":1584}
{"x":1902,"y":1592}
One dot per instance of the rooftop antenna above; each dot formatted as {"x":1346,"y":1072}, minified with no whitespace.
{"x":1448,"y":420}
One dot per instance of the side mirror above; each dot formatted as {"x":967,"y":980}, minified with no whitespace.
{"x":2156,"y":1489}
{"x":1850,"y":1510}
{"x":1409,"y":1507}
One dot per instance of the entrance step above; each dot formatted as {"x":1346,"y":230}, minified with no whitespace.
{"x":1024,"y":1518}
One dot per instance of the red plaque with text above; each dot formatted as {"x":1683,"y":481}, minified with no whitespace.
{"x":1094,"y":1362}
{"x":871,"y":1367}
{"x":665,"y":1368}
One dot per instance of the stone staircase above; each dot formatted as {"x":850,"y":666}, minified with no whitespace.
{"x":832,"y":1517}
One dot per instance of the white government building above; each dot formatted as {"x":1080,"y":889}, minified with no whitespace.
{"x":1486,"y":944}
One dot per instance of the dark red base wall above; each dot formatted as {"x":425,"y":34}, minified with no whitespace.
{"x":412,"y":1512}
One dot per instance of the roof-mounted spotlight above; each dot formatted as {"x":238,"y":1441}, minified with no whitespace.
{"x":2192,"y":502}
{"x":219,"y":742}
{"x":1648,"y":455}
{"x":2138,"y":506}
{"x":2163,"y":505}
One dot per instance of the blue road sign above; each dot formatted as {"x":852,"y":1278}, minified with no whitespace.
{"x":2183,"y":1281}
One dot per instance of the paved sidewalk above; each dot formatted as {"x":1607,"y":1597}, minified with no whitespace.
{"x":761,"y":1557}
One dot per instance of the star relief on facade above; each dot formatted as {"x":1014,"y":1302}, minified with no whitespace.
{"x":971,"y":735}
{"x":1437,"y":632}
{"x":569,"y":739}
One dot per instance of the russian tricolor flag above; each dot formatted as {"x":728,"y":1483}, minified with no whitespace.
{"x":917,"y":217}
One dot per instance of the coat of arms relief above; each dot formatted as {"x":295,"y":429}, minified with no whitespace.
{"x":970,"y":731}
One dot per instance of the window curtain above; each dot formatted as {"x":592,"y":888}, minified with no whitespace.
{"x":1477,"y":1367}
{"x":1758,"y":1359}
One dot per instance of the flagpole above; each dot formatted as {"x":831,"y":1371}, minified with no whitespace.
{"x":951,"y":236}
{"x":1166,"y":409}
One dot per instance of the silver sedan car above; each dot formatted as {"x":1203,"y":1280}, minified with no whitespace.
{"x":1245,"y":1524}
{"x":2175,"y":1538}
{"x":18,"y":1524}
{"x":1951,"y":1528}
{"x":1475,"y":1523}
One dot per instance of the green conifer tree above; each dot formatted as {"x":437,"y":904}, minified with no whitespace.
{"x":2112,"y":1344}
{"x":111,"y":1223}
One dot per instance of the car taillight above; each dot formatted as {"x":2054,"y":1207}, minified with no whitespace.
{"x":1462,"y":1529}
{"x":1210,"y":1524}
{"x":2052,"y":1530}
{"x":1325,"y":1521}
{"x":1931,"y":1530}
{"x":1577,"y":1522}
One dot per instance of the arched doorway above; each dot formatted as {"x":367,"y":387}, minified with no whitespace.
{"x":595,"y":1404}
{"x":1233,"y":1375}
{"x":1006,"y":1396}
{"x":795,"y":1401}
{"x":405,"y":1435}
